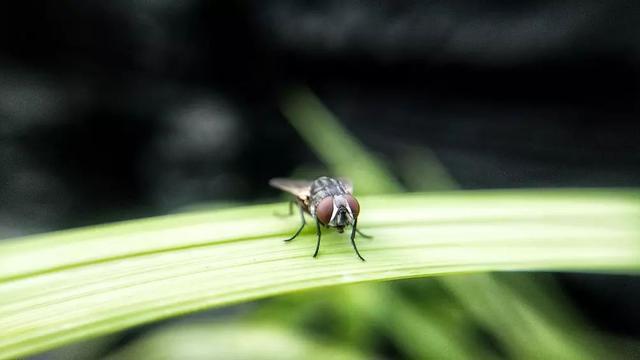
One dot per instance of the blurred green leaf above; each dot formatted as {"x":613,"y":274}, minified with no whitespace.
{"x":362,"y":314}
{"x":421,"y":170}
{"x":325,"y":135}
{"x":239,"y":341}
{"x":518,"y":322}
{"x":61,"y":287}
{"x":420,"y":332}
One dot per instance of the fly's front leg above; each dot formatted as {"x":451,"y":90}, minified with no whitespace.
{"x":353,"y":237}
{"x":301,"y":226}
{"x":319,"y":234}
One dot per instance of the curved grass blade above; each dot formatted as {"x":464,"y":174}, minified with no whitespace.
{"x":62,"y":287}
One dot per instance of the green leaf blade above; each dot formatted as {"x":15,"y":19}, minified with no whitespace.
{"x":216,"y":258}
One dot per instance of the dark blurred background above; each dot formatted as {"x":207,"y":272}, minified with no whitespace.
{"x":112,"y":110}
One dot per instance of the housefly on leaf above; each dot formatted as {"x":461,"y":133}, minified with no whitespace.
{"x":329,"y":201}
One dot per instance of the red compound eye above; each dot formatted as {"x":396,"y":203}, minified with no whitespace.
{"x":325,"y":210}
{"x":353,"y":204}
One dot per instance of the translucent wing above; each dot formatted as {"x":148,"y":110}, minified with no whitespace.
{"x":299,"y":188}
{"x":348,"y":185}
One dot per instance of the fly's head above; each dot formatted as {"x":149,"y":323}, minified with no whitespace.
{"x":338,"y":211}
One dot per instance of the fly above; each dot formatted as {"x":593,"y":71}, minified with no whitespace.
{"x":329,"y":201}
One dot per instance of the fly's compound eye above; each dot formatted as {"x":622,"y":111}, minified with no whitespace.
{"x":353,"y":204}
{"x":325,"y":210}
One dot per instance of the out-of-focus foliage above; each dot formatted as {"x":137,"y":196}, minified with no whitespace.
{"x":339,"y":151}
{"x":234,"y":340}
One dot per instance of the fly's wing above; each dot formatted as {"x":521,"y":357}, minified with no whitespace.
{"x":299,"y":188}
{"x":347,"y":184}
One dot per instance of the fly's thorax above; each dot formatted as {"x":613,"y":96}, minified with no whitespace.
{"x":323,"y":187}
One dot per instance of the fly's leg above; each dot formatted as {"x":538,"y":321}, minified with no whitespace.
{"x":353,"y":237}
{"x":301,"y":226}
{"x":319,"y":234}
{"x":363,"y":234}
{"x":290,"y":210}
